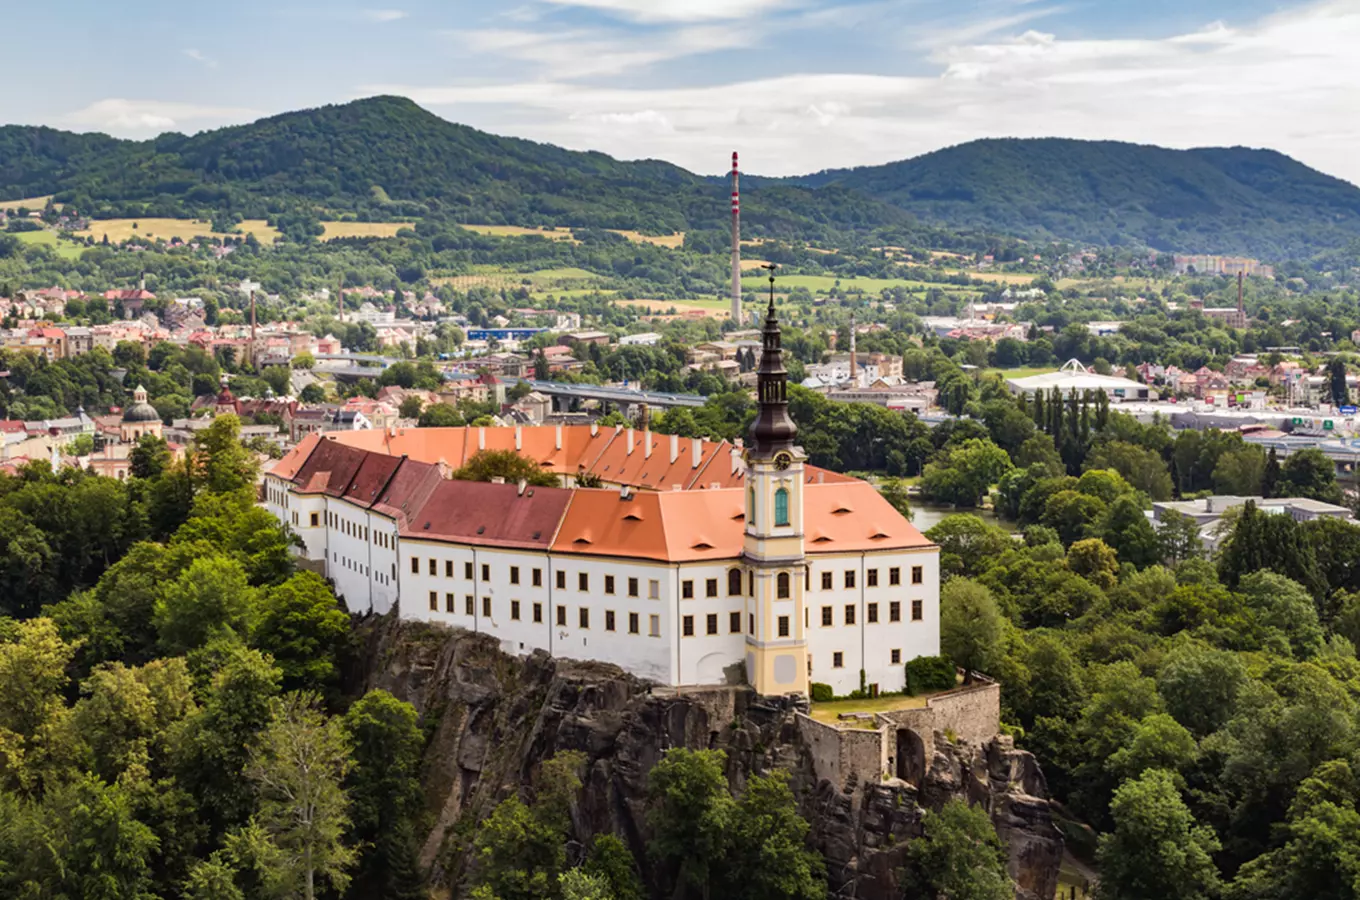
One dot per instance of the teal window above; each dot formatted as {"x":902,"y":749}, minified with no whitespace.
{"x":781,"y":507}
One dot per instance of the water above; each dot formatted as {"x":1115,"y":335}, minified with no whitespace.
{"x":927,"y":515}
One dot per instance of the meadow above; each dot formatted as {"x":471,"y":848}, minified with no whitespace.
{"x":32,"y":203}
{"x":670,"y":241}
{"x":823,"y":284}
{"x":63,"y":249}
{"x":119,"y":230}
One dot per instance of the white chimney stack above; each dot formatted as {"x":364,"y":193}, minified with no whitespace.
{"x":647,"y":445}
{"x":481,"y":438}
{"x":630,"y":442}
{"x":698,"y":449}
{"x":559,"y":437}
{"x":594,"y":428}
{"x":519,"y":437}
{"x":675,"y":448}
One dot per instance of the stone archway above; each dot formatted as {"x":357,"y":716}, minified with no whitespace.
{"x":911,"y":756}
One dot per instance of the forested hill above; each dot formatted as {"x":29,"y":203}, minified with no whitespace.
{"x":386,"y":157}
{"x":1212,"y":200}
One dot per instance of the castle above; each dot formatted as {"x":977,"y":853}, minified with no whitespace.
{"x":698,"y":563}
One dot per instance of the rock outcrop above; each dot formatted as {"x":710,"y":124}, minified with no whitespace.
{"x":494,"y":718}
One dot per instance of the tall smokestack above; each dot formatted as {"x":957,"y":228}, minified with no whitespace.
{"x":736,"y":241}
{"x":1239,"y":292}
{"x":854,"y":382}
{"x":252,"y":320}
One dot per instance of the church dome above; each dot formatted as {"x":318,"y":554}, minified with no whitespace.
{"x":140,"y":410}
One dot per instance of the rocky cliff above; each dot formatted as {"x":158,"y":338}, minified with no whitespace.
{"x":493,"y":718}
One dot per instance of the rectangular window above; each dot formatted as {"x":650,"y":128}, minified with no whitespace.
{"x":316,"y":519}
{"x":827,"y":621}
{"x":783,"y":626}
{"x":538,"y":578}
{"x":486,"y":607}
{"x":826,"y":581}
{"x":838,"y":660}
{"x":711,"y":587}
{"x":712,"y":623}
{"x":632,"y":587}
{"x":916,"y":610}
{"x":514,"y":610}
{"x":467,"y":571}
{"x":688,"y":626}
{"x":894,"y":576}
{"x":896,"y":657}
{"x":562,"y":617}
{"x":653,"y":589}
{"x":734,"y":622}
{"x":609,"y":584}
{"x":917,"y":575}
{"x":751,"y":623}
{"x":538,"y":612}
{"x":895,"y":611}
{"x":514,"y":574}
{"x":654,"y":625}
{"x":872,"y":613}
{"x":434,"y":567}
{"x":687,"y":590}
{"x":582,"y":581}
{"x":415,"y":565}
{"x":849,"y":614}
{"x":561,"y":580}
{"x":584,"y":617}
{"x":632,"y":623}
{"x":434,"y":601}
{"x":849,"y":578}
{"x":871,"y":578}
{"x":448,"y":568}
{"x":486,"y":572}
{"x":468,"y":608}
{"x":449,"y":605}
{"x":609,"y":620}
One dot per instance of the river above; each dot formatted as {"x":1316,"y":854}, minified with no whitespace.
{"x":926,"y":515}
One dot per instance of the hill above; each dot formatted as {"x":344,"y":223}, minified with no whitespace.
{"x":385,"y":157}
{"x":1213,"y":200}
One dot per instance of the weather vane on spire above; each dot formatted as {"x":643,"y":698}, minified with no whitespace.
{"x":771,"y":267}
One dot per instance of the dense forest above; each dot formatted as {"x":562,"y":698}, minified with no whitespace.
{"x":1211,"y":200}
{"x":385,"y":158}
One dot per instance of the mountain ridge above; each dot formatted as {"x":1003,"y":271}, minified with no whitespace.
{"x":388,"y":157}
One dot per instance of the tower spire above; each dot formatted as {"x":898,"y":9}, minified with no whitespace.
{"x":773,"y":429}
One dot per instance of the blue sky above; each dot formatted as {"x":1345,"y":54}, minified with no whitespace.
{"x":795,"y":85}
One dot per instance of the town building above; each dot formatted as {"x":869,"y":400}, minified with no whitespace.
{"x":1073,"y":376}
{"x":140,"y":419}
{"x":696,"y":563}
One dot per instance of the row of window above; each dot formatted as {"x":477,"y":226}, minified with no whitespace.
{"x":838,"y":658}
{"x":536,"y":577}
{"x":536,"y":613}
{"x":871,"y":612}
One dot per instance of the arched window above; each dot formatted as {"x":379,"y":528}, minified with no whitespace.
{"x":781,"y":506}
{"x":782,"y":586}
{"x":734,"y":582}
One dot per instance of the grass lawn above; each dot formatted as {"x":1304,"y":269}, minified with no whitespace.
{"x":1021,"y":372}
{"x":63,"y":249}
{"x":560,"y":234}
{"x":828,"y":711}
{"x":1000,"y":277}
{"x":119,"y":230}
{"x":363,"y":229}
{"x":32,"y":203}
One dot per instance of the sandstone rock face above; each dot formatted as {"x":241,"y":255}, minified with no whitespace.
{"x":494,"y":718}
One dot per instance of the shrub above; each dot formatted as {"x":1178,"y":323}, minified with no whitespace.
{"x":929,"y":673}
{"x":821,"y":693}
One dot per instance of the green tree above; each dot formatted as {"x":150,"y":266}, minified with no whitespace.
{"x":971,"y":625}
{"x":1309,"y":473}
{"x":411,"y":407}
{"x":441,"y":415}
{"x":1095,"y":561}
{"x":149,"y":458}
{"x":1285,"y":606}
{"x":299,"y":765}
{"x":303,"y":628}
{"x":521,"y":849}
{"x":1157,"y":851}
{"x":610,"y":861}
{"x":312,"y":394}
{"x":1177,"y":537}
{"x":95,"y":847}
{"x":385,"y":794}
{"x":279,"y":379}
{"x":221,"y":464}
{"x":1158,"y":742}
{"x":506,"y":464}
{"x":959,"y":857}
{"x":690,"y":812}
{"x":964,"y":474}
{"x":1142,"y":468}
{"x":767,"y":855}
{"x":895,"y":492}
{"x":1336,"y":379}
{"x":1127,"y":530}
{"x":211,"y":599}
{"x":1200,"y":685}
{"x":1240,"y":472}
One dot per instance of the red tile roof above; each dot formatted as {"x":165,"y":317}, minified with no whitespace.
{"x":495,"y":515}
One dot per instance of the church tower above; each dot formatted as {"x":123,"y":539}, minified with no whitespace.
{"x":776,"y":645}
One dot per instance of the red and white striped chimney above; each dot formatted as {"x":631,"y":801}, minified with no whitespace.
{"x":736,"y":241}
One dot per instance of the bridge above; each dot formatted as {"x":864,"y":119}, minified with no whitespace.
{"x":564,"y":394}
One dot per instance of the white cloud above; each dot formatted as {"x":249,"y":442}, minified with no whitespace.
{"x":199,"y":57}
{"x":384,"y":15}
{"x":1286,"y":82}
{"x":142,"y":118}
{"x":680,"y":10}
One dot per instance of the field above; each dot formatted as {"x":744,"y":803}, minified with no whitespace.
{"x":64,"y":249}
{"x":119,"y":230}
{"x":713,"y":309}
{"x":822,"y":284}
{"x":566,"y":281}
{"x":1000,"y":277}
{"x":363,"y":229}
{"x":32,"y":203}
{"x":671,"y":241}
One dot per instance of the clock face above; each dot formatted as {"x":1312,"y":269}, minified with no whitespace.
{"x":782,"y":461}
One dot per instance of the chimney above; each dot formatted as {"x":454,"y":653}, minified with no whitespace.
{"x":736,"y":242}
{"x":481,"y":438}
{"x":646,"y":445}
{"x":644,"y":417}
{"x":698,"y":449}
{"x":1239,"y":292}
{"x":630,"y":442}
{"x":736,"y":460}
{"x":519,"y":437}
{"x":559,"y":437}
{"x":498,"y":479}
{"x":625,"y":492}
{"x":675,"y":447}
{"x":594,"y":428}
{"x":523,"y":483}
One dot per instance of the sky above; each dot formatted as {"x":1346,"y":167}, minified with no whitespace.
{"x":794,"y":85}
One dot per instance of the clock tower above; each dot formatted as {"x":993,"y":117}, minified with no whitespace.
{"x":776,"y":645}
